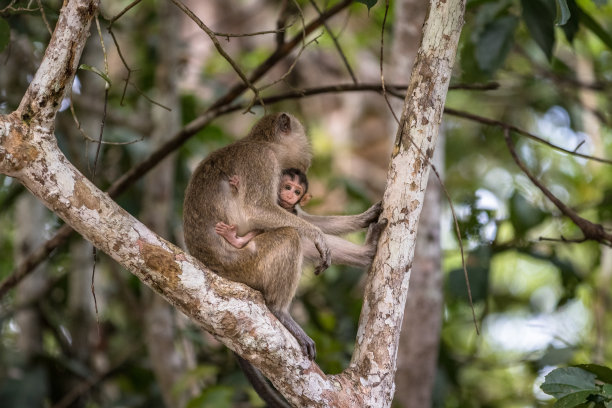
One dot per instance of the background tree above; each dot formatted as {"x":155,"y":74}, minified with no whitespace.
{"x":548,"y":294}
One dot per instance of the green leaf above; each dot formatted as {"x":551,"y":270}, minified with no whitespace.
{"x":539,"y":18}
{"x":603,"y":373}
{"x":563,"y":12}
{"x":570,"y":380}
{"x":5,"y":34}
{"x":590,"y":23}
{"x":572,"y":400}
{"x":97,"y":72}
{"x":570,"y":28}
{"x":369,"y":3}
{"x":495,"y":42}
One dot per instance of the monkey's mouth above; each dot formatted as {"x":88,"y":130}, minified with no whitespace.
{"x":286,"y":205}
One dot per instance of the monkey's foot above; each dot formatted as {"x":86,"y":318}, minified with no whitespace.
{"x":224,"y":229}
{"x":234,"y":181}
{"x":308,"y":346}
{"x":371,"y":214}
{"x":325,"y":259}
{"x":306,"y":343}
{"x":374,"y":232}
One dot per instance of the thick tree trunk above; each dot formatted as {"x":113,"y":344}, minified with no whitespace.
{"x":407,"y":180}
{"x":419,"y":342}
{"x":235,"y":314}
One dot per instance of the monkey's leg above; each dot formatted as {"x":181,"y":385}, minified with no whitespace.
{"x":280,"y":265}
{"x":343,"y":252}
{"x":306,"y":343}
{"x":342,"y":224}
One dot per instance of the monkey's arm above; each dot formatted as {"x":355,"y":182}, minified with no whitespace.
{"x":342,"y":224}
{"x":344,"y":252}
{"x":273,"y":216}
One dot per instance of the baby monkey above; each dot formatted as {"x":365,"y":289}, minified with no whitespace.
{"x":293,"y":189}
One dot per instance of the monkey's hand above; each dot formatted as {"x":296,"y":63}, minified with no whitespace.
{"x":321,"y":245}
{"x":370,"y":215}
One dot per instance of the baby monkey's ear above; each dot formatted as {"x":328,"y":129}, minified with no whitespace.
{"x":305,"y":199}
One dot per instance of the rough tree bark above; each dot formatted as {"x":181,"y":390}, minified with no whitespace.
{"x":235,"y":314}
{"x":419,"y":342}
{"x":387,"y":287}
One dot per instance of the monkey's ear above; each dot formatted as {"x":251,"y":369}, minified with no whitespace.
{"x":305,"y":199}
{"x":284,"y":123}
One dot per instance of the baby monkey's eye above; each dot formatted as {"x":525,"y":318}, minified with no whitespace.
{"x":298,"y":192}
{"x":287,"y":187}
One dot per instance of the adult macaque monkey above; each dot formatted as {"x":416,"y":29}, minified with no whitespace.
{"x":276,"y":142}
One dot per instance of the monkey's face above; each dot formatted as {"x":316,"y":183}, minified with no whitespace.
{"x":290,"y":192}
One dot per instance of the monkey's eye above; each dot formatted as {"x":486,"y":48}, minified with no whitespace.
{"x":288,"y":187}
{"x":298,"y":192}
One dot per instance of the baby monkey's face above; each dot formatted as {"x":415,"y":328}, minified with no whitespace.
{"x":291,"y":192}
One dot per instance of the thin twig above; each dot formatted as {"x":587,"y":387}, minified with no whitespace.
{"x":590,"y":230}
{"x":44,"y":17}
{"x":460,"y":241}
{"x":122,"y":12}
{"x":563,"y":240}
{"x":337,"y":44}
{"x":281,"y":51}
{"x":91,"y":139}
{"x":382,"y":57}
{"x":144,"y":95}
{"x":124,"y":62}
{"x":9,"y":9}
{"x":106,"y":90}
{"x":286,"y":74}
{"x":503,"y":125}
{"x":234,"y":35}
{"x":217,"y":45}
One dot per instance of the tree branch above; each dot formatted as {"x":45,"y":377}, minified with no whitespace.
{"x":375,"y":354}
{"x":43,"y":97}
{"x":589,"y":229}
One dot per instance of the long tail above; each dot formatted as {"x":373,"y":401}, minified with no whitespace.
{"x":261,"y":386}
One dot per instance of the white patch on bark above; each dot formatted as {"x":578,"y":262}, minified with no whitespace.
{"x":147,"y":235}
{"x":191,"y":277}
